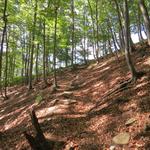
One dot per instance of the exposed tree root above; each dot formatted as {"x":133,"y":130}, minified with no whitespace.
{"x":124,"y":85}
{"x":119,"y":88}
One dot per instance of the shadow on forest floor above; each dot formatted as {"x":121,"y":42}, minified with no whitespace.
{"x":84,"y":117}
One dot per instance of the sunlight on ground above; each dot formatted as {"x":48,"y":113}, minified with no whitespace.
{"x":83,"y":107}
{"x":142,"y":93}
{"x":114,"y":81}
{"x":18,"y":119}
{"x":62,"y":108}
{"x":147,"y":61}
{"x":130,"y":107}
{"x":141,"y":84}
{"x":92,"y":66}
{"x":99,"y":85}
{"x":105,"y":69}
{"x":98,"y":123}
{"x":100,"y":66}
{"x":11,"y":113}
{"x":63,"y":112}
{"x":11,"y":92}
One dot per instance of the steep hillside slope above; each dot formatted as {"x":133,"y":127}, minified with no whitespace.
{"x":87,"y":117}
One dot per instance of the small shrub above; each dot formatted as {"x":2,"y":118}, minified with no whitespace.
{"x":39,"y":98}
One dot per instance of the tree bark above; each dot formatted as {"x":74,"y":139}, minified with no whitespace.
{"x":55,"y":44}
{"x":36,"y":63}
{"x":3,"y":37}
{"x":139,"y":25}
{"x":146,"y":18}
{"x":94,"y":32}
{"x":84,"y":36}
{"x":73,"y":28}
{"x":127,"y":42}
{"x":6,"y":69}
{"x":44,"y":55}
{"x":33,"y":45}
{"x":122,"y":43}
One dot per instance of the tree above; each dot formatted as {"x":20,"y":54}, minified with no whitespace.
{"x":121,"y":34}
{"x":73,"y":28}
{"x":44,"y":54}
{"x":3,"y":38}
{"x":33,"y":45}
{"x":146,"y":18}
{"x":77,"y":30}
{"x":55,"y":43}
{"x":127,"y":42}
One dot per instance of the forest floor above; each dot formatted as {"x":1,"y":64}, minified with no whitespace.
{"x":86,"y":118}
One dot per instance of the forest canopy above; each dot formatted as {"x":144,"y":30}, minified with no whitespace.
{"x":37,"y":37}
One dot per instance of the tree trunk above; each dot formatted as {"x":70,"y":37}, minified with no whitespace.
{"x":55,"y":44}
{"x":36,"y":63}
{"x":3,"y":37}
{"x":127,"y":42}
{"x":32,"y":48}
{"x":97,"y":31}
{"x":6,"y":69}
{"x":122,"y":43}
{"x":109,"y":47}
{"x":146,"y":18}
{"x":139,"y":25}
{"x":44,"y":56}
{"x":84,"y":37}
{"x":94,"y":44}
{"x":73,"y":27}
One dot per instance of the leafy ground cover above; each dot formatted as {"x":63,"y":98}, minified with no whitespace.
{"x":87,"y":117}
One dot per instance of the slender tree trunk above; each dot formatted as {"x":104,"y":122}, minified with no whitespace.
{"x":32,"y":48}
{"x":122,"y":43}
{"x":46,"y":59}
{"x":55,"y":44}
{"x":73,"y":37}
{"x":139,"y":25}
{"x":3,"y":37}
{"x":23,"y":59}
{"x":114,"y":43}
{"x":97,"y":31}
{"x":146,"y":18}
{"x":6,"y":69}
{"x":143,"y":26}
{"x":37,"y":63}
{"x":66,"y":59}
{"x":28,"y":58}
{"x":75,"y":52}
{"x":127,"y":42}
{"x":116,"y":40}
{"x":84,"y":37}
{"x":109,"y":47}
{"x":94,"y":33}
{"x":44,"y":56}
